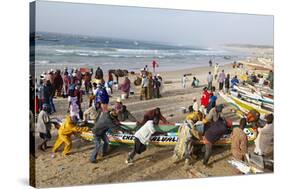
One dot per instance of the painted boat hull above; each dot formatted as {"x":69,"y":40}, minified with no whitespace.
{"x":249,"y":99}
{"x":242,"y":106}
{"x":249,"y":106}
{"x":164,"y":140}
{"x":132,"y":126}
{"x":257,"y":66}
{"x":253,"y":95}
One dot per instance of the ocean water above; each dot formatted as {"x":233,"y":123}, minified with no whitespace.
{"x":57,"y":51}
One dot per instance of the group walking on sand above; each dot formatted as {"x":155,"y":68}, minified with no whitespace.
{"x":205,"y":123}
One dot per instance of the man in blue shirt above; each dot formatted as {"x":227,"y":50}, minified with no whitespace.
{"x":234,"y":81}
{"x":102,"y":97}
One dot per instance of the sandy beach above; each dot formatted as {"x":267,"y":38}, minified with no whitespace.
{"x":153,"y":164}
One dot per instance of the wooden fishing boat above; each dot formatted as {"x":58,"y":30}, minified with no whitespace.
{"x":252,"y":94}
{"x":172,"y":127}
{"x":242,"y":106}
{"x":132,"y":126}
{"x":257,"y":102}
{"x":240,"y":111}
{"x":264,"y":90}
{"x":167,"y":138}
{"x":249,"y":106}
{"x":257,"y":65}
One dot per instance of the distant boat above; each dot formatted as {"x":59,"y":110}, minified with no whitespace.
{"x":87,"y":41}
{"x":136,"y":43}
{"x":54,"y":40}
{"x":227,"y":57}
{"x":44,"y":39}
{"x":38,"y":37}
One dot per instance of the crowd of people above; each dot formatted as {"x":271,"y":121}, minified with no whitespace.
{"x":151,"y":86}
{"x":208,"y":120}
{"x":209,"y":123}
{"x":68,"y":84}
{"x":210,"y":126}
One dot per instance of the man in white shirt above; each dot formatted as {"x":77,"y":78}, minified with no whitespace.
{"x":144,"y":86}
{"x":216,"y":70}
{"x":195,"y":105}
{"x":210,"y":80}
{"x":142,"y":137}
{"x":264,"y":140}
{"x":44,"y":127}
{"x":184,"y":81}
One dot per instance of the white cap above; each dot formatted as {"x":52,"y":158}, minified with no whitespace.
{"x":118,"y":99}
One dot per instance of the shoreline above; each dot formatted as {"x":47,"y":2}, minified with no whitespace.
{"x":40,"y":68}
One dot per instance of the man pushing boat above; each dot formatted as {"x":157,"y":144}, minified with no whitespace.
{"x":150,"y":115}
{"x":108,"y":120}
{"x":143,"y":135}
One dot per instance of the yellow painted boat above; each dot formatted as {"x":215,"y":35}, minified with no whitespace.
{"x":249,"y":106}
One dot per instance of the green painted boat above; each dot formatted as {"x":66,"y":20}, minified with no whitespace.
{"x":168,"y":128}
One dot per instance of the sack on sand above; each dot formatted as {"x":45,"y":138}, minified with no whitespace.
{"x":183,"y":134}
{"x":197,"y":130}
{"x":137,"y":82}
{"x":253,"y":116}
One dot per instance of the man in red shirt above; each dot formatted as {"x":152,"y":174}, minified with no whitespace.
{"x":205,"y":99}
{"x":154,"y":64}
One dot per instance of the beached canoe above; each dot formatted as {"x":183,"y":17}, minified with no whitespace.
{"x":257,"y":66}
{"x":264,"y":106}
{"x":264,"y":88}
{"x":243,"y":106}
{"x":168,"y":128}
{"x":265,"y":92}
{"x":249,"y":106}
{"x":252,"y":94}
{"x":167,"y":139}
{"x":240,"y":111}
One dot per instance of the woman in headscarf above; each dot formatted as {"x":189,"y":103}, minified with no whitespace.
{"x":74,"y":105}
{"x":126,"y":86}
{"x":66,"y":83}
{"x":156,"y":87}
{"x":58,"y":83}
{"x":150,"y":87}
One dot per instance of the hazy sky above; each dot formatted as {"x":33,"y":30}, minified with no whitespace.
{"x":159,"y":25}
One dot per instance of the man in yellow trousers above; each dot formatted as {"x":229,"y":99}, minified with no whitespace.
{"x":64,"y":134}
